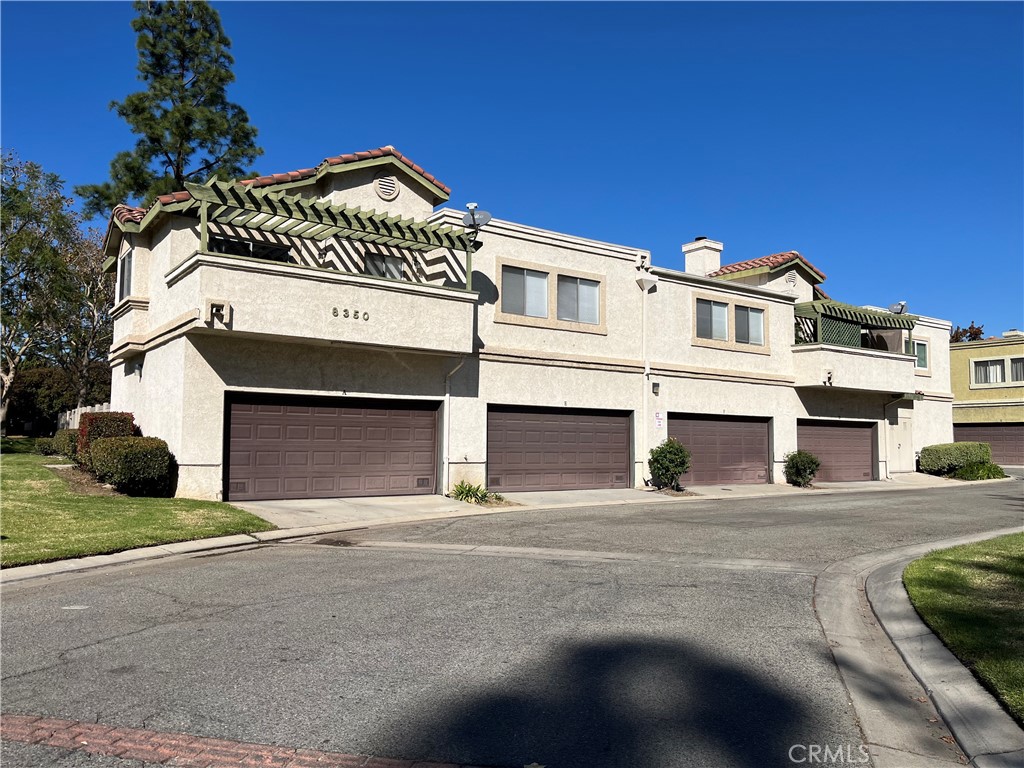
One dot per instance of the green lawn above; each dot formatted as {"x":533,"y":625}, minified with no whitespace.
{"x":42,"y":518}
{"x":973,"y":598}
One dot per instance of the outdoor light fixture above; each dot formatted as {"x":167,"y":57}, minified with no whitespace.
{"x":473,"y":221}
{"x":656,"y":387}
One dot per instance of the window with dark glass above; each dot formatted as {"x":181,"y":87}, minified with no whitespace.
{"x":124,"y":278}
{"x":524,"y":292}
{"x":579,"y":300}
{"x":712,"y":320}
{"x":266,"y":251}
{"x":750,"y":326}
{"x":1017,"y":369}
{"x":920,"y":350}
{"x":382,"y":265}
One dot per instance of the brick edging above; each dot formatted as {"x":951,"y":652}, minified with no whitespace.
{"x":182,"y":750}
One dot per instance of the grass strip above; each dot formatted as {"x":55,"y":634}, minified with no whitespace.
{"x":972,"y":597}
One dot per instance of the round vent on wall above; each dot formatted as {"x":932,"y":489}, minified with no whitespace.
{"x":386,"y":186}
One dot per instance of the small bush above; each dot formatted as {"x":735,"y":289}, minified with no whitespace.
{"x":92,"y":426}
{"x":472,"y":494}
{"x":65,"y":442}
{"x":139,"y":466}
{"x":45,"y":446}
{"x":801,"y":467}
{"x":979,"y":471}
{"x":667,"y":462}
{"x":945,"y":458}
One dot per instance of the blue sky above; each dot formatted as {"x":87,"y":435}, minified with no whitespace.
{"x":881,"y":140}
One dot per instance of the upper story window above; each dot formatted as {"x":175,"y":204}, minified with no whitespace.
{"x":989,"y":372}
{"x":749,"y":326}
{"x":524,"y":292}
{"x":1017,"y":369}
{"x":124,"y":275}
{"x":920,"y":350}
{"x":579,"y":300}
{"x":712,"y":320}
{"x":381,"y":265}
{"x":266,"y":251}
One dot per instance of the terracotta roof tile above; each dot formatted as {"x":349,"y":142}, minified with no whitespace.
{"x":772,"y":261}
{"x":124,"y":213}
{"x":355,"y":157}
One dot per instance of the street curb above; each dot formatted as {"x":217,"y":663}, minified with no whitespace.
{"x":901,"y":724}
{"x":985,"y":732}
{"x":75,"y":565}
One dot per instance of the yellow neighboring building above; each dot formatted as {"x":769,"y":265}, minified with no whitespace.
{"x":987,"y":379}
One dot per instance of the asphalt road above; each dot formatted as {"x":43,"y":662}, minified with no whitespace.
{"x":669,"y":635}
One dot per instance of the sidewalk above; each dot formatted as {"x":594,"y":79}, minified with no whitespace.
{"x":297,"y":519}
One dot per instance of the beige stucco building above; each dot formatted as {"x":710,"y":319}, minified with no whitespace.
{"x":988,"y":386}
{"x":333,"y":332}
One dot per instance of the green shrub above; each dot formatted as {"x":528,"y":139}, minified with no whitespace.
{"x":801,"y":467}
{"x":92,"y":426}
{"x":472,"y":494}
{"x":667,"y":462}
{"x":979,"y":471}
{"x":139,"y":466}
{"x":65,"y":442}
{"x":45,"y":446}
{"x":945,"y":458}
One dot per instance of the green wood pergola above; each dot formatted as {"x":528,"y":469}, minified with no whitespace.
{"x":838,"y":323}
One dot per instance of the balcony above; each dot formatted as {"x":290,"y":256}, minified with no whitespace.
{"x":839,"y":367}
{"x":238,"y":295}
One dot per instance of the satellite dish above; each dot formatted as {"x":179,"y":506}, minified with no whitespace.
{"x":898,"y":308}
{"x":475,"y":218}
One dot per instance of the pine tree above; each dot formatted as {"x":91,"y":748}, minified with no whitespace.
{"x":187,"y":128}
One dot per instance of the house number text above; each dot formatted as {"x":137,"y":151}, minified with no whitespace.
{"x":350,"y":314}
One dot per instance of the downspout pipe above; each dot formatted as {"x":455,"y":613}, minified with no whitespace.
{"x":446,"y":467}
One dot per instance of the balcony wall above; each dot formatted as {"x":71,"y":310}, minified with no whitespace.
{"x":852,"y":368}
{"x":295,"y":302}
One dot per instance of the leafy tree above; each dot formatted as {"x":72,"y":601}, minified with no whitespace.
{"x":38,"y":229}
{"x":187,"y":128}
{"x":971,"y":333}
{"x":40,"y":394}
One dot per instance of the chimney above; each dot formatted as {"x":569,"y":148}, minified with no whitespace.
{"x":1013,"y":333}
{"x":702,"y":256}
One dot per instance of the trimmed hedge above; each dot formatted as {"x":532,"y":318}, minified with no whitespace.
{"x":65,"y":442}
{"x":45,"y":446}
{"x":946,"y":458}
{"x":800,"y":468}
{"x":92,"y":426}
{"x":667,"y":463}
{"x":139,"y":466}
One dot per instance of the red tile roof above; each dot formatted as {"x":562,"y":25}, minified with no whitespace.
{"x":125,"y":213}
{"x":773,"y":261}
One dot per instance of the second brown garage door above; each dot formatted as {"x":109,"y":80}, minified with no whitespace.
{"x":556,"y":449}
{"x":301,"y":448}
{"x":845,"y":449}
{"x":722,"y":450}
{"x":1007,"y":440}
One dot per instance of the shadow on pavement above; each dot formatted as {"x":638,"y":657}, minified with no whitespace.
{"x":619,"y":703}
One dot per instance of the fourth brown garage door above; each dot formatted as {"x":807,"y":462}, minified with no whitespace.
{"x":1007,"y":440}
{"x":303,"y":448}
{"x":722,"y":449}
{"x":845,"y":449}
{"x":556,"y":449}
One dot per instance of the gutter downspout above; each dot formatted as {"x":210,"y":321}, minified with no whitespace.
{"x":446,"y":466}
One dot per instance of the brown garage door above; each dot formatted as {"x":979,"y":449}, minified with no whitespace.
{"x":288,"y":448}
{"x":1007,"y":440}
{"x":722,"y":450}
{"x":548,"y":450}
{"x":846,"y":450}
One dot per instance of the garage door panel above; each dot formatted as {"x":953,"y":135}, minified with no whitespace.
{"x":556,"y":450}
{"x":846,"y":450}
{"x":1006,"y":440}
{"x":734,"y":451}
{"x":318,"y":451}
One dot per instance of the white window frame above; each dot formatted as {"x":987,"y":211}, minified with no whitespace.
{"x":1008,"y":381}
{"x":910,"y":346}
{"x":125,"y":266}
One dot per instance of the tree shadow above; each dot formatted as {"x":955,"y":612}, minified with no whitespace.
{"x":640,"y":703}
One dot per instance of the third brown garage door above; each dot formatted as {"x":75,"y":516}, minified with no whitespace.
{"x":556,"y":449}
{"x":722,"y":449}
{"x":1007,"y":440}
{"x":845,"y":449}
{"x":282,"y":447}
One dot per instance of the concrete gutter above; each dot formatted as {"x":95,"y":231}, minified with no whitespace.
{"x":901,"y":722}
{"x":989,"y":737}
